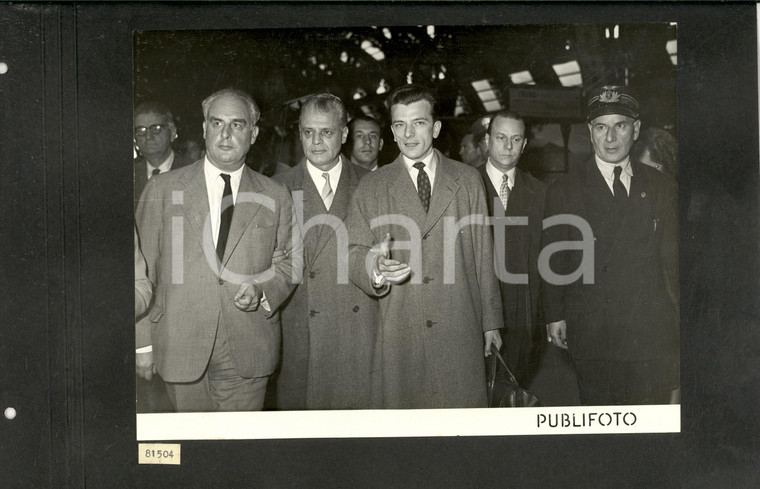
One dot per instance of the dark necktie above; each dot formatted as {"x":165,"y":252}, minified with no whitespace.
{"x":617,"y":186}
{"x":226,"y":216}
{"x":423,"y":185}
{"x":156,"y":171}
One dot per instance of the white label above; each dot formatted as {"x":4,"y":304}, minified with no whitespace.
{"x":158,"y":453}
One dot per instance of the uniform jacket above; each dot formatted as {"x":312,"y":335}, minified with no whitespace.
{"x":429,"y":348}
{"x":629,"y":312}
{"x":328,"y":325}
{"x":191,"y":298}
{"x":522,"y":245}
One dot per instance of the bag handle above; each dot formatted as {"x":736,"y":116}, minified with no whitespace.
{"x":495,"y":352}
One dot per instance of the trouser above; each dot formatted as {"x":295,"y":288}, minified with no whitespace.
{"x":220,"y":388}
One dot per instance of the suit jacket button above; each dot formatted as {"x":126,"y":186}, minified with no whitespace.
{"x":356,"y":309}
{"x":608,"y":300}
{"x":221,"y":282}
{"x":429,"y":323}
{"x":427,"y":280}
{"x":605,"y":268}
{"x":312,"y":274}
{"x":313,"y":313}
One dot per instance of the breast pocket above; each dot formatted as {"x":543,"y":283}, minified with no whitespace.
{"x":257,"y":247}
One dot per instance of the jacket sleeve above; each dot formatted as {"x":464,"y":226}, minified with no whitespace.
{"x":288,"y":271}
{"x":361,"y":239}
{"x":553,"y":295}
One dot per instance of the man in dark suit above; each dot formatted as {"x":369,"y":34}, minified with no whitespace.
{"x":222,"y":255}
{"x":439,"y":299}
{"x":516,"y":195}
{"x":328,"y":325}
{"x":154,"y":132}
{"x":614,"y":309}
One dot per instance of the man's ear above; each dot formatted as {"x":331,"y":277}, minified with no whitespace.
{"x":487,"y":138}
{"x":436,"y":129}
{"x":254,"y":134}
{"x":636,"y":129}
{"x":344,"y":135}
{"x":380,"y":148}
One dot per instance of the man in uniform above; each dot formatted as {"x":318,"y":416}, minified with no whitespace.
{"x":616,"y":308}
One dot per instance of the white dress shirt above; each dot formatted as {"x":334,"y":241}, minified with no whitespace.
{"x":215,"y":189}
{"x":319,"y":180}
{"x":608,"y":172}
{"x":497,"y":175}
{"x":431,"y":164}
{"x":162,"y":168}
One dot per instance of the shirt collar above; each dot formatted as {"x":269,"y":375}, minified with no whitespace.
{"x":608,"y":169}
{"x":431,"y":162}
{"x":212,"y":174}
{"x":496,"y":175}
{"x":164,"y":167}
{"x":334,"y":172}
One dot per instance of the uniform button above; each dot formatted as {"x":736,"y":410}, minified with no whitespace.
{"x":356,"y":309}
{"x":427,"y":280}
{"x":605,"y":268}
{"x":221,"y":282}
{"x":608,"y":300}
{"x":429,"y":324}
{"x":312,"y":274}
{"x":313,"y":313}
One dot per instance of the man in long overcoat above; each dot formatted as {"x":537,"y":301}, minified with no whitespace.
{"x":439,"y":301}
{"x":328,"y":325}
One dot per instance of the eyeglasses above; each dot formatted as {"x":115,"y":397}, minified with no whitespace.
{"x":154,"y":129}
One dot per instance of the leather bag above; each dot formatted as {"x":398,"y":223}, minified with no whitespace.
{"x":503,"y":389}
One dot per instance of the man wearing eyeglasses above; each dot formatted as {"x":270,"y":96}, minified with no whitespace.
{"x":154,"y":133}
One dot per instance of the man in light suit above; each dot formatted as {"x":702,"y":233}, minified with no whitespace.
{"x":218,"y":242}
{"x":154,"y":133}
{"x":619,"y":321}
{"x":328,"y":325}
{"x":514,"y":193}
{"x":440,"y":308}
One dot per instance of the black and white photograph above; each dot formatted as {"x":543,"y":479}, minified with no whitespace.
{"x":374,"y":244}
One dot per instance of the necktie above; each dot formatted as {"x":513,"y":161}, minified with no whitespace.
{"x":156,"y":171}
{"x":327,"y":191}
{"x":226,"y":216}
{"x":504,"y":191}
{"x":423,"y":185}
{"x":617,"y":186}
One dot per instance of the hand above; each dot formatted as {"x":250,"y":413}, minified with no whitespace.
{"x":557,"y":333}
{"x":492,"y":337}
{"x":394,"y":271}
{"x":144,"y":366}
{"x":248,"y":297}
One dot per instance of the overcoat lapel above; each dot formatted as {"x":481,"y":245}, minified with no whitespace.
{"x":445,"y":189}
{"x":340,"y":205}
{"x":401,"y":187}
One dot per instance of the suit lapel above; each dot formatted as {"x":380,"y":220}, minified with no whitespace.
{"x":445,"y":189}
{"x":245,"y":210}
{"x":195,"y":203}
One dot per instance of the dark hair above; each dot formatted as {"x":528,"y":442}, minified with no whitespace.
{"x":233,"y":92}
{"x":152,"y":107}
{"x":326,"y":102}
{"x":662,"y":146}
{"x":409,"y":94}
{"x":363,"y":118}
{"x":505,"y":114}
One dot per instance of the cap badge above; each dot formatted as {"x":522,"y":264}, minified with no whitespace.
{"x":609,"y":95}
